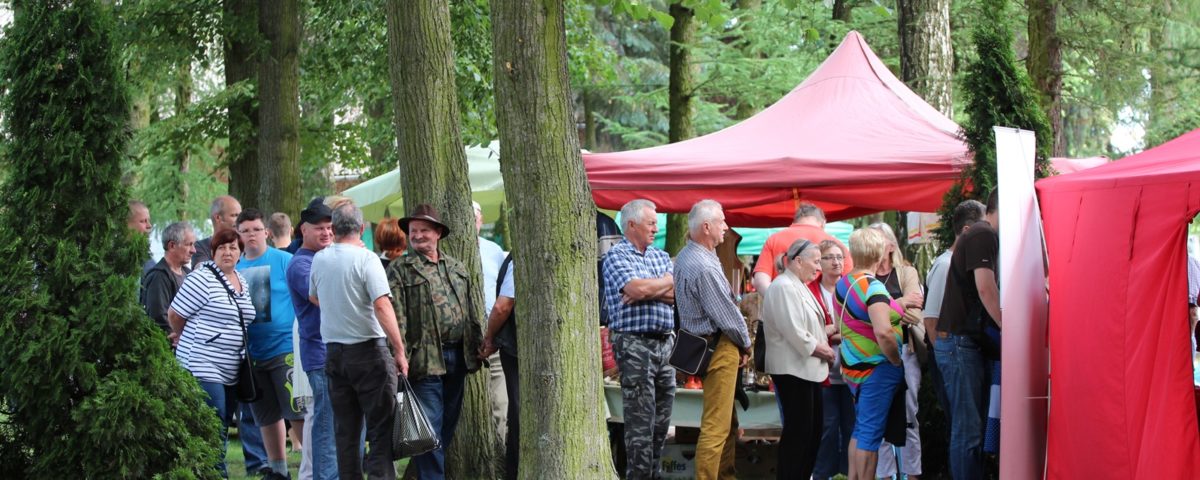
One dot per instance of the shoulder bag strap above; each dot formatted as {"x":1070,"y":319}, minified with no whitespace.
{"x":236,"y":306}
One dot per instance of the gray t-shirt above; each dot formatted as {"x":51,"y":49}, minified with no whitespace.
{"x":935,"y":280}
{"x":347,"y":280}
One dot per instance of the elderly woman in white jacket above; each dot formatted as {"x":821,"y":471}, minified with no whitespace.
{"x":798,"y":357}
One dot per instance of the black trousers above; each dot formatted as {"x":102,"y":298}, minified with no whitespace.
{"x":803,"y":419}
{"x":512,"y":445}
{"x":362,"y":386}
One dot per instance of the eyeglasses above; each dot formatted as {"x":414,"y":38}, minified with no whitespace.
{"x":252,"y":231}
{"x":833,"y":258}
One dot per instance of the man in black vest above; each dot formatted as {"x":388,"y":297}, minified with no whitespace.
{"x":502,"y":334}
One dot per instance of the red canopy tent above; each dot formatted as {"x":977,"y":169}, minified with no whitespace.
{"x":852,"y":139}
{"x":1122,"y":402}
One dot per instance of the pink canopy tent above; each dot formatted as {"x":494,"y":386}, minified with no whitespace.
{"x":1121,"y":377}
{"x":852,"y":139}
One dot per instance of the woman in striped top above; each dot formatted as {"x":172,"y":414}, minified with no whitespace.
{"x":206,"y":326}
{"x":870,"y":349}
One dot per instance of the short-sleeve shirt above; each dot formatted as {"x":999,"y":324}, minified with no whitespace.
{"x":935,"y":280}
{"x":962,"y":310}
{"x":622,"y":264}
{"x":491,"y":256}
{"x":860,"y":351}
{"x":506,"y":338}
{"x":308,"y":316}
{"x":266,"y":277}
{"x":211,"y":343}
{"x":778,"y":243}
{"x":347,"y":280}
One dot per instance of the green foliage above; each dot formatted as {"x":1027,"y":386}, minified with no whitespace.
{"x":89,"y":384}
{"x":998,"y":93}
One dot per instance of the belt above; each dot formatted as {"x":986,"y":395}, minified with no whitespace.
{"x":452,"y":345}
{"x":337,"y":347}
{"x":660,"y":336}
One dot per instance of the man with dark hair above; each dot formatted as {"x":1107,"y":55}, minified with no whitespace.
{"x":316,"y":230}
{"x":809,"y":224}
{"x":434,"y":305}
{"x":357,"y":324}
{"x":160,"y":284}
{"x":971,"y":303}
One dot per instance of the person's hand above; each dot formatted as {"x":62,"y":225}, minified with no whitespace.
{"x":174,"y":338}
{"x":487,"y":349}
{"x":745,"y":360}
{"x":626,"y":299}
{"x":913,"y":300}
{"x":402,"y":363}
{"x":823,"y":352}
{"x":912,"y":316}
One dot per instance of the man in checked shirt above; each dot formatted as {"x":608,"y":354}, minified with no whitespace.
{"x":639,"y":291}
{"x":706,"y":308}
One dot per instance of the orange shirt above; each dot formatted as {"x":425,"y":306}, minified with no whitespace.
{"x":778,"y":243}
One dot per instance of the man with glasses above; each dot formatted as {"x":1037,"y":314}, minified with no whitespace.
{"x":270,"y":337}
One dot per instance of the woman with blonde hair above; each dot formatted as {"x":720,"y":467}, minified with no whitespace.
{"x":870,"y":348}
{"x":904,"y":285}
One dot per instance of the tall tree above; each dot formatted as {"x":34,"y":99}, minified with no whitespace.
{"x":1045,"y":65}
{"x":434,"y":170}
{"x":680,"y":93}
{"x":554,"y":233}
{"x":240,"y":23}
{"x":183,"y":158}
{"x":279,"y":108}
{"x":89,"y":386}
{"x":926,"y":54}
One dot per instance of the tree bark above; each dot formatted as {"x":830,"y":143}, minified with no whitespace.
{"x":841,"y":10}
{"x":554,"y":233}
{"x":240,"y":19}
{"x":749,"y":10}
{"x":1045,"y":64}
{"x":279,"y":108}
{"x":433,"y":169}
{"x":680,"y":91}
{"x":926,"y":54}
{"x":183,"y":158}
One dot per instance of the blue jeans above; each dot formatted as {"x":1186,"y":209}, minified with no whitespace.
{"x":321,"y":442}
{"x":832,"y":457}
{"x":252,"y":442}
{"x":961,"y":365}
{"x":223,"y":400}
{"x":441,"y":397}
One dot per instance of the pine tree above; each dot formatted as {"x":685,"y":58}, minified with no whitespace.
{"x":998,"y":93}
{"x":88,"y":384}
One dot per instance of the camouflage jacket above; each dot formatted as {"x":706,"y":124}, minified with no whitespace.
{"x":417,"y":288}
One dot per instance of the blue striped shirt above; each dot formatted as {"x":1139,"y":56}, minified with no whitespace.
{"x":703,"y":296}
{"x":623,"y":264}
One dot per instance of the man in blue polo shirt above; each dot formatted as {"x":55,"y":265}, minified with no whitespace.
{"x":639,"y":291}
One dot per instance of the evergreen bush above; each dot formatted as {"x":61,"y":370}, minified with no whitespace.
{"x":998,"y":93}
{"x":88,"y":384}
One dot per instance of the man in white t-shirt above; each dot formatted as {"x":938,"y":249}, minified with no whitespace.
{"x":357,"y":325}
{"x":491,"y":255}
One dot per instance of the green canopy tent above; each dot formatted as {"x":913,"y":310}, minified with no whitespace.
{"x":380,"y":197}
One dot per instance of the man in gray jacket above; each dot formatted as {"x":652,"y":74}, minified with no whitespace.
{"x":160,"y":283}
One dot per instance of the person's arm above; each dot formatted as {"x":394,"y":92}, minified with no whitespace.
{"x":720,"y":308}
{"x":641,"y":289}
{"x":761,"y":281}
{"x":177,"y":322}
{"x":885,"y":336}
{"x":387,"y":319}
{"x":989,"y":292}
{"x":501,"y":310}
{"x":783,"y":309}
{"x":157,"y":297}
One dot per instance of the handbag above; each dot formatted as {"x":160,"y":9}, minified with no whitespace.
{"x":692,"y":353}
{"x":412,"y":434}
{"x":246,"y":389}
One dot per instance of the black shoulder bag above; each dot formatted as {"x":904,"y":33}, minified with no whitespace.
{"x":247,"y":389}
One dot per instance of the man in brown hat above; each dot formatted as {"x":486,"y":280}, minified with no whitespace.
{"x":434,"y":309}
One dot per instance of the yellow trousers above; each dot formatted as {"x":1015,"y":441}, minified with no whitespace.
{"x":718,"y":424}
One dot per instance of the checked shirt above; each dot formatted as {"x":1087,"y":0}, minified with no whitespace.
{"x":622,"y":264}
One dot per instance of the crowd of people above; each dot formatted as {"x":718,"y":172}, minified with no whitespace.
{"x":328,"y":326}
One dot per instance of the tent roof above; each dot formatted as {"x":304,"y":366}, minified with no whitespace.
{"x":1072,"y":165}
{"x":852,"y":138}
{"x":1118,"y":330}
{"x":381,"y":196}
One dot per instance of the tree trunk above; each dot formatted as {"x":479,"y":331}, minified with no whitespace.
{"x":183,"y":158}
{"x":279,"y":108}
{"x":1161,"y":90}
{"x":554,"y":232}
{"x":382,"y":152}
{"x":1045,"y":64}
{"x":841,"y":10}
{"x":680,"y":90}
{"x":926,"y":54}
{"x":749,"y":10}
{"x":433,"y":169}
{"x":240,"y":19}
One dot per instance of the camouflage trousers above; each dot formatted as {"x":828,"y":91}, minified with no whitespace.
{"x":647,"y":391}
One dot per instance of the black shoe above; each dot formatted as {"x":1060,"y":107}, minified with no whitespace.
{"x":268,"y":474}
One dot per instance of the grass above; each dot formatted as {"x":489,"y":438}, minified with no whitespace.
{"x":236,"y":461}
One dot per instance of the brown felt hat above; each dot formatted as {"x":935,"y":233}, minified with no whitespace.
{"x":427,"y":213}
